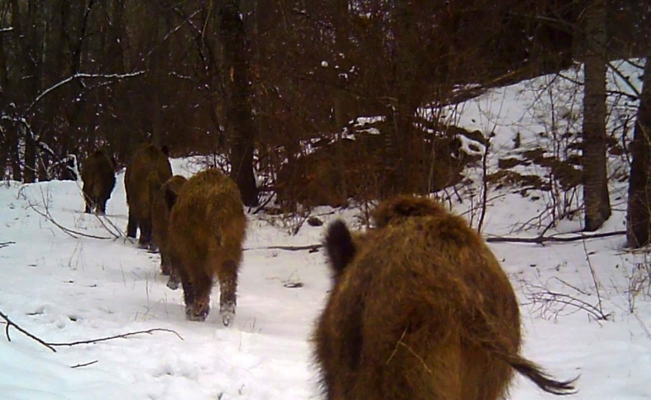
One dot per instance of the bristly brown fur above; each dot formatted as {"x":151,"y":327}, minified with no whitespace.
{"x":422,"y":310}
{"x":160,"y":220}
{"x":146,"y":172}
{"x":206,"y":230}
{"x":98,"y":175}
{"x":401,"y":207}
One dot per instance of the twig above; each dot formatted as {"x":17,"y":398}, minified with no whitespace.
{"x":484,"y":184}
{"x":552,"y":238}
{"x":84,"y":364}
{"x":545,"y":297}
{"x":401,"y":343}
{"x":263,"y":205}
{"x":52,"y":345}
{"x":643,"y":325}
{"x":567,"y":300}
{"x":81,"y":75}
{"x":593,"y":273}
{"x":491,"y":239}
{"x":68,"y":231}
{"x":10,"y":323}
{"x":555,"y":220}
{"x":395,"y":349}
{"x":110,"y":224}
{"x":104,"y":339}
{"x":312,"y":247}
{"x":6,"y":244}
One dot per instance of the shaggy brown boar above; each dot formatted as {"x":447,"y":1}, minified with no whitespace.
{"x":205,"y":235}
{"x":159,"y":221}
{"x":147,"y":170}
{"x":420,"y":309}
{"x":98,"y":175}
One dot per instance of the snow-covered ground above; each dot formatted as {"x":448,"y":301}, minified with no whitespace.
{"x":66,"y":287}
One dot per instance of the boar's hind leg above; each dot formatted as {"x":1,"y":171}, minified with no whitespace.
{"x":197,"y":295}
{"x":89,"y":202}
{"x":173,"y":281}
{"x":101,"y":207}
{"x":145,"y":234}
{"x":188,"y":293}
{"x":227,"y":275}
{"x":132,"y":225}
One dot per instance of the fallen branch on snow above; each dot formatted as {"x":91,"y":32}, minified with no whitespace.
{"x":6,"y":244}
{"x":552,"y":238}
{"x":491,"y":239}
{"x":311,"y":247}
{"x":84,"y":364}
{"x":52,"y":345}
{"x":72,"y":233}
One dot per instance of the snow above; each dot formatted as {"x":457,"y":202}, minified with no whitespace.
{"x":66,"y":287}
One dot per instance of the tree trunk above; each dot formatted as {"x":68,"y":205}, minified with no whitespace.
{"x":595,"y":180}
{"x":638,"y":216}
{"x":340,"y":21}
{"x":406,"y":175}
{"x":238,"y":104}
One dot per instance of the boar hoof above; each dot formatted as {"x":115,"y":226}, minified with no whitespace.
{"x":227,"y":312}
{"x":172,"y":283}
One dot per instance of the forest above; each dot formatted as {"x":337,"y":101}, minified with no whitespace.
{"x":274,"y":91}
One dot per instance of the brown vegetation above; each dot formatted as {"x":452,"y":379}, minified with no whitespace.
{"x":147,"y":170}
{"x":98,"y":175}
{"x":206,"y":230}
{"x":316,"y":179}
{"x":420,"y":309}
{"x":160,"y":220}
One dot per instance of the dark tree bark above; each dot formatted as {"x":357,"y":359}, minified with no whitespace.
{"x":638,"y":217}
{"x":405,"y":175}
{"x":238,"y":103}
{"x":595,"y":180}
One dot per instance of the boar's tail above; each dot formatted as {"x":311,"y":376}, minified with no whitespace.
{"x":339,"y":246}
{"x":533,"y":372}
{"x":487,"y":336}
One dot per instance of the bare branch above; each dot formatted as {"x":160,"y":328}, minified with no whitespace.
{"x":6,"y":244}
{"x":545,"y":299}
{"x":121,"y":336}
{"x":625,"y":79}
{"x":311,"y":247}
{"x":72,"y":233}
{"x":10,"y":323}
{"x":553,"y":238}
{"x":80,"y":75}
{"x":593,"y":274}
{"x":52,"y":345}
{"x":84,"y":364}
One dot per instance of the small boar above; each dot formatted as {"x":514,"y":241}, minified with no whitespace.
{"x":98,"y":175}
{"x":205,"y":234}
{"x":420,"y":309}
{"x":146,"y":172}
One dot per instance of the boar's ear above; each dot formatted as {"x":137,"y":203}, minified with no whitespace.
{"x":170,"y":197}
{"x":339,"y":246}
{"x":165,"y":150}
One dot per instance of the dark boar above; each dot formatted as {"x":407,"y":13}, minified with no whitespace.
{"x":147,"y":170}
{"x":206,"y":230}
{"x":98,"y":175}
{"x":420,"y":309}
{"x":160,"y":220}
